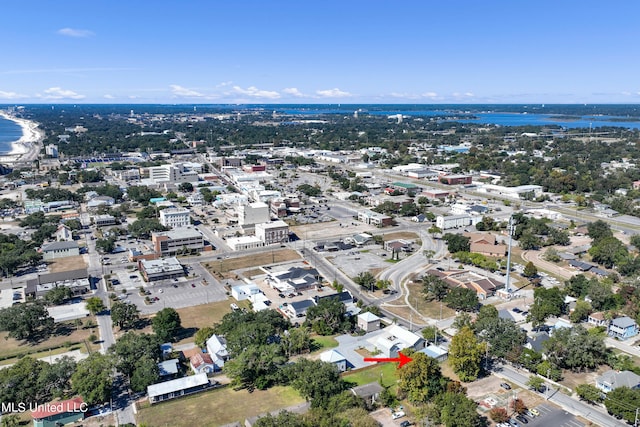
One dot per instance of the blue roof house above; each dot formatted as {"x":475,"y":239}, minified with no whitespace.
{"x":623,"y":328}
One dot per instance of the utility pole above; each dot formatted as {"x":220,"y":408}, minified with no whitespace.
{"x":510,"y":229}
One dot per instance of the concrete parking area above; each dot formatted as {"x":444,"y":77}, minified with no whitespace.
{"x":551,"y":415}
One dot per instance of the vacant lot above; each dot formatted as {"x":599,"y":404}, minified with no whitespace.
{"x":224,"y":266}
{"x":217,"y":407}
{"x":399,"y":235}
{"x":67,"y":337}
{"x":429,"y":309}
{"x":68,"y":263}
{"x":385,"y":372}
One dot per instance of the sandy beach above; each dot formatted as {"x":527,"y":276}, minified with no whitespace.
{"x":27,"y":147}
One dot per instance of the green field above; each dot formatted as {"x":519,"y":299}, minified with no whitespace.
{"x":387,"y":373}
{"x":217,"y":407}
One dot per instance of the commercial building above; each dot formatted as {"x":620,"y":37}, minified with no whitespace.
{"x":169,"y":243}
{"x":175,"y":217}
{"x":456,"y":221}
{"x":104,"y":220}
{"x":160,"y":269}
{"x":77,"y":280}
{"x":253,"y":213}
{"x":455,"y":179}
{"x":58,"y":250}
{"x":374,"y":218}
{"x":273,"y":232}
{"x":519,"y":192}
{"x":172,"y":174}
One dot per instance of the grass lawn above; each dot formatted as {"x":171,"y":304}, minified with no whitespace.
{"x":223,"y":266}
{"x":217,"y":407}
{"x":199,"y":316}
{"x":320,"y":343}
{"x":65,"y":338}
{"x":429,"y":309}
{"x":387,"y":372}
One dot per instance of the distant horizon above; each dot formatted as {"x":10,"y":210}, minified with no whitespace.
{"x":533,"y":104}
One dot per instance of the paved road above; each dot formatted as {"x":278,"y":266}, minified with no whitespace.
{"x":592,"y":413}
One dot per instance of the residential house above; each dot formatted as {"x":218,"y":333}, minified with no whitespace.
{"x":435,"y":352}
{"x":56,"y":414}
{"x":168,"y":368}
{"x":485,"y":244}
{"x":298,"y":308}
{"x":368,"y":321}
{"x":217,"y":349}
{"x":535,"y":341}
{"x":176,"y":388}
{"x":336,"y":358}
{"x":368,"y":392}
{"x":202,"y":363}
{"x":623,"y":328}
{"x":613,"y":379}
{"x":61,"y":249}
{"x":394,"y":339}
{"x":63,"y":234}
{"x":597,"y":319}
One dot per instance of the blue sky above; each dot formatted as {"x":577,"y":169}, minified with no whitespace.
{"x":304,"y":51}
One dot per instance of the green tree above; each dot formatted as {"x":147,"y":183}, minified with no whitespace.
{"x":146,"y":372}
{"x":623,"y":402}
{"x":581,"y":311}
{"x":143,"y":228}
{"x":462,"y":299}
{"x":186,"y":187}
{"x":434,"y":288}
{"x":589,"y":392}
{"x":202,"y":336}
{"x":421,"y":379}
{"x":599,"y":230}
{"x":93,"y":378}
{"x":457,"y":242}
{"x":535,"y":382}
{"x":105,"y":246}
{"x":530,"y":270}
{"x":166,"y":324}
{"x":29,"y":321}
{"x":547,"y":302}
{"x":327,"y":317}
{"x":576,"y":349}
{"x":502,"y":335}
{"x":365,"y":279}
{"x":283,"y":419}
{"x":10,"y":420}
{"x":315,"y":380}
{"x":130,"y":348}
{"x":296,"y":341}
{"x":454,"y":410}
{"x":256,"y":366}
{"x":608,"y":251}
{"x":95,"y":305}
{"x":124,"y":315}
{"x":58,"y":295}
{"x":465,"y":354}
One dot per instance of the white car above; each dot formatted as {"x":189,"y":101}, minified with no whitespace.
{"x":397,"y":415}
{"x":234,"y":306}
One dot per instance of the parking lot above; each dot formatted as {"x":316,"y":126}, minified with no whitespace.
{"x":552,"y":416}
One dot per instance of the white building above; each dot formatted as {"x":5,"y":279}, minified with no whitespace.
{"x":519,"y":192}
{"x":253,"y":213}
{"x":244,"y":242}
{"x":172,"y":174}
{"x":175,"y":217}
{"x":273,"y":232}
{"x":456,"y":221}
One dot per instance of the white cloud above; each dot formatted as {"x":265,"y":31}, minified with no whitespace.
{"x":108,"y":96}
{"x":59,"y":93}
{"x":74,"y":32}
{"x":293,"y":91}
{"x":183,"y":91}
{"x":11,"y":95}
{"x":469,"y":94}
{"x":254,"y":92}
{"x":333,"y":93}
{"x":430,"y":95}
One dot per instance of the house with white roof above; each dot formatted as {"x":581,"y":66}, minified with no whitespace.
{"x":335,"y":357}
{"x":394,"y":339}
{"x":217,"y":349}
{"x":368,"y":321}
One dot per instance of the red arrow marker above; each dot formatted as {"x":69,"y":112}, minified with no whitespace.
{"x":401,"y":358}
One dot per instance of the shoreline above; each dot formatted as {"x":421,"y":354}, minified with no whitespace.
{"x":26,"y":148}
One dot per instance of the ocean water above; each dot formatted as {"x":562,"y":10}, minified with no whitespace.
{"x":10,"y":131}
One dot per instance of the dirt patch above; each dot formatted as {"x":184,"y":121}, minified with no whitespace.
{"x":225,"y":266}
{"x":573,"y":379}
{"x":430,"y":309}
{"x":253,"y":272}
{"x":399,"y":235}
{"x":67,"y":264}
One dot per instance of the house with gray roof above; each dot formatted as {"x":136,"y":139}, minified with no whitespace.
{"x":623,"y":327}
{"x":60,"y":249}
{"x":613,"y":379}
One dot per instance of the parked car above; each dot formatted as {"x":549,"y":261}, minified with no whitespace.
{"x":193,"y":285}
{"x":282,"y":295}
{"x":522,"y":419}
{"x":405,"y":424}
{"x":513,"y":423}
{"x":505,"y":386}
{"x":234,"y":306}
{"x":516,"y":310}
{"x":397,"y":415}
{"x":535,"y":412}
